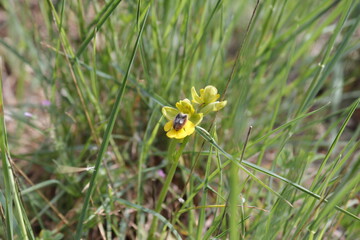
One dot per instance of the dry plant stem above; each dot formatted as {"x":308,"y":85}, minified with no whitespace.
{"x":174,"y":158}
{"x":8,"y":172}
{"x":27,"y":179}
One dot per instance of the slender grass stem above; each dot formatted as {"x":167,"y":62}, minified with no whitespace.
{"x":107,"y":134}
{"x":170,"y":175}
{"x":11,"y":189}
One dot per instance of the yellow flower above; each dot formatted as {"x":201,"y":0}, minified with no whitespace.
{"x":207,"y":99}
{"x":181,"y":121}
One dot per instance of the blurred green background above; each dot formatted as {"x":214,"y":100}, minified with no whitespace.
{"x":289,"y":69}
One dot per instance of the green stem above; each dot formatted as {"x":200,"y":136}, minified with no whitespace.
{"x":201,"y":221}
{"x":107,"y":135}
{"x":174,"y":162}
{"x":11,"y":190}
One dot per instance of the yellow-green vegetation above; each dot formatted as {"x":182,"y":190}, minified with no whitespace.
{"x":209,"y":119}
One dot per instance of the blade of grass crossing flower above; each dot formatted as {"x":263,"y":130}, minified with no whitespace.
{"x":107,"y":134}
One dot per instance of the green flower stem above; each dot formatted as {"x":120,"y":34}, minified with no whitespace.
{"x":174,"y":158}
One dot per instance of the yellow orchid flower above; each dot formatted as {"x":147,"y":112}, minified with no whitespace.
{"x":181,"y":120}
{"x":207,"y":99}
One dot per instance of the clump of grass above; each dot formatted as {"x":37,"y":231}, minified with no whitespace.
{"x":83,"y":86}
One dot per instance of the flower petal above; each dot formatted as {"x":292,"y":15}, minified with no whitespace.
{"x":220,"y":105}
{"x":169,"y":113}
{"x":185,"y":106}
{"x":213,"y":107}
{"x":210,"y":94}
{"x":181,"y":134}
{"x":172,"y":133}
{"x":196,"y":118}
{"x":168,"y":126}
{"x":189,"y":128}
{"x":208,"y":108}
{"x":195,"y":97}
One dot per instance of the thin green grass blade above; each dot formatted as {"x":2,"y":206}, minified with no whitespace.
{"x":21,"y":57}
{"x":318,"y":80}
{"x":14,"y":211}
{"x":9,"y":216}
{"x":286,"y":125}
{"x":40,"y":185}
{"x":108,"y":10}
{"x":352,"y":109}
{"x":297,"y":186}
{"x":107,"y":134}
{"x":337,"y":198}
{"x":208,"y":138}
{"x":152,"y":212}
{"x":201,"y":220}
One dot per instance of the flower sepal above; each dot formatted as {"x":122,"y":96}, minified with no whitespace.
{"x":213,"y":107}
{"x":169,"y":113}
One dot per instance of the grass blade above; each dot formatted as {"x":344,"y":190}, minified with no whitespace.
{"x":107,"y":134}
{"x":12,"y":196}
